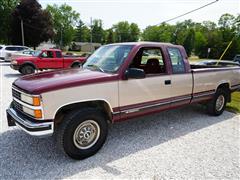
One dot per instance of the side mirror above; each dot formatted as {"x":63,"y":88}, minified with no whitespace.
{"x":135,"y":73}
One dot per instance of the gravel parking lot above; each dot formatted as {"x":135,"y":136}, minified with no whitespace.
{"x":179,"y":144}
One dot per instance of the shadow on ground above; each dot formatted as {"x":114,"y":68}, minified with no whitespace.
{"x":26,"y":157}
{"x":12,"y":75}
{"x":4,"y":64}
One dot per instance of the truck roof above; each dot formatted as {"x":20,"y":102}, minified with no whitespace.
{"x":51,"y":49}
{"x":143,"y":43}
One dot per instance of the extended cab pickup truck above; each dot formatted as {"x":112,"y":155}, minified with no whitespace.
{"x":45,"y":59}
{"x":118,"y":82}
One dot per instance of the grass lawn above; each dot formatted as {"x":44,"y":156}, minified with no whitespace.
{"x":234,"y":106}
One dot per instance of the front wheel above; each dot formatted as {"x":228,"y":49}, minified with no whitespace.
{"x":218,"y":104}
{"x":27,"y":69}
{"x":82,"y":133}
{"x":76,"y":65}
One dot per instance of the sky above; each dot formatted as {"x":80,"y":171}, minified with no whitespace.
{"x":147,"y":12}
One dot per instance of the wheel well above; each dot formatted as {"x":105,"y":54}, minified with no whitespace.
{"x":99,"y":104}
{"x":27,"y":64}
{"x":226,"y":87}
{"x":75,"y":63}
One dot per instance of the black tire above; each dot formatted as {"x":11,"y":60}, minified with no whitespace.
{"x":27,"y":69}
{"x":76,"y":65}
{"x":70,"y":125}
{"x":213,"y":108}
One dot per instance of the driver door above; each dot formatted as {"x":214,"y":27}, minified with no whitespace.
{"x":152,"y":93}
{"x":46,"y":60}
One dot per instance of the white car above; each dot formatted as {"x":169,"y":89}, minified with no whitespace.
{"x":4,"y":50}
{"x":14,"y":55}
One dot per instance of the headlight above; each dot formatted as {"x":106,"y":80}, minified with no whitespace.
{"x":14,"y":62}
{"x":36,"y":113}
{"x":33,"y":100}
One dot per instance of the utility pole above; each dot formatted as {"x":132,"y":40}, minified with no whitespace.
{"x":61,"y":39}
{"x":91,"y":34}
{"x":22,"y":32}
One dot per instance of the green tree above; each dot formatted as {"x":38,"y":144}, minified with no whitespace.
{"x":64,"y":21}
{"x":134,"y":32}
{"x":82,"y":32}
{"x":97,"y":31}
{"x":6,"y":8}
{"x":37,"y":23}
{"x":226,"y":21}
{"x":227,"y":31}
{"x":200,"y":44}
{"x":125,"y":32}
{"x":189,"y":42}
{"x":109,"y":36}
{"x":161,"y":33}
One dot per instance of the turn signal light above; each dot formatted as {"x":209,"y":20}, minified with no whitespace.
{"x":36,"y":101}
{"x":37,"y":113}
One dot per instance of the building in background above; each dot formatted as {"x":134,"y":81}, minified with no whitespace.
{"x":84,"y":46}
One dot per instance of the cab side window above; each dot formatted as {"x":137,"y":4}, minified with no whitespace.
{"x":47,"y":54}
{"x":150,"y":60}
{"x":176,"y":60}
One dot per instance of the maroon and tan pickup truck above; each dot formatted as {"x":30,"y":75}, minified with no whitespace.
{"x":118,"y":82}
{"x":46,"y":59}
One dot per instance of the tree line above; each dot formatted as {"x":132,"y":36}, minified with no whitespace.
{"x":62,"y":25}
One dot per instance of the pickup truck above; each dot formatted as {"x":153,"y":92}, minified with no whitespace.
{"x":118,"y":82}
{"x":45,"y":59}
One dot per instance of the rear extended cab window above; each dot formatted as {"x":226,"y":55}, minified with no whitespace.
{"x":58,"y":54}
{"x":176,"y":59}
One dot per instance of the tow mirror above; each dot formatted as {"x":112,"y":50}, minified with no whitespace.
{"x":135,"y":73}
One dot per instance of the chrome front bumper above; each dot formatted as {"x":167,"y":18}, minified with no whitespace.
{"x":37,"y":128}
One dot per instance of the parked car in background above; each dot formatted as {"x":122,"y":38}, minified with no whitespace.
{"x":1,"y":47}
{"x":46,"y":59}
{"x":218,"y":63}
{"x":237,"y":58}
{"x":117,"y":82}
{"x":14,"y":55}
{"x":10,"y":49}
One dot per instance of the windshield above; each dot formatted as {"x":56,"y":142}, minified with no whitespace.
{"x":36,"y":53}
{"x":108,"y":58}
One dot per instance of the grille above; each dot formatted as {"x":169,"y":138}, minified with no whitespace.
{"x":17,"y":106}
{"x":16,"y":94}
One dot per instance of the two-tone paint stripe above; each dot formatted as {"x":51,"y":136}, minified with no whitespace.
{"x":163,"y":103}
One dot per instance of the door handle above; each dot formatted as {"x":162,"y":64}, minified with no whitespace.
{"x":167,"y":82}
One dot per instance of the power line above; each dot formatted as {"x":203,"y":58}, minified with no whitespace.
{"x":188,"y":12}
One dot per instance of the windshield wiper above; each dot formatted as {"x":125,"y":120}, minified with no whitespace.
{"x":95,"y":67}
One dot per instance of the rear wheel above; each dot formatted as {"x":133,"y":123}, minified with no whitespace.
{"x":218,"y":104}
{"x":27,"y":69}
{"x":82,"y":133}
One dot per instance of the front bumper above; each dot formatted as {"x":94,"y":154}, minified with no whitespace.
{"x":14,"y":66}
{"x":40,"y":129}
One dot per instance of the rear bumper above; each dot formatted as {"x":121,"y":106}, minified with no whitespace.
{"x":40,"y":129}
{"x":15,"y":67}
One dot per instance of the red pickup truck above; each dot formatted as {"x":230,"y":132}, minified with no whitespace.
{"x":46,"y":59}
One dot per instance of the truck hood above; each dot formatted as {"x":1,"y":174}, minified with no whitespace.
{"x":55,"y":80}
{"x":25,"y":58}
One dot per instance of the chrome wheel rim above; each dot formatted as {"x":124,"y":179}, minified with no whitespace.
{"x":86,"y":134}
{"x":220,"y":102}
